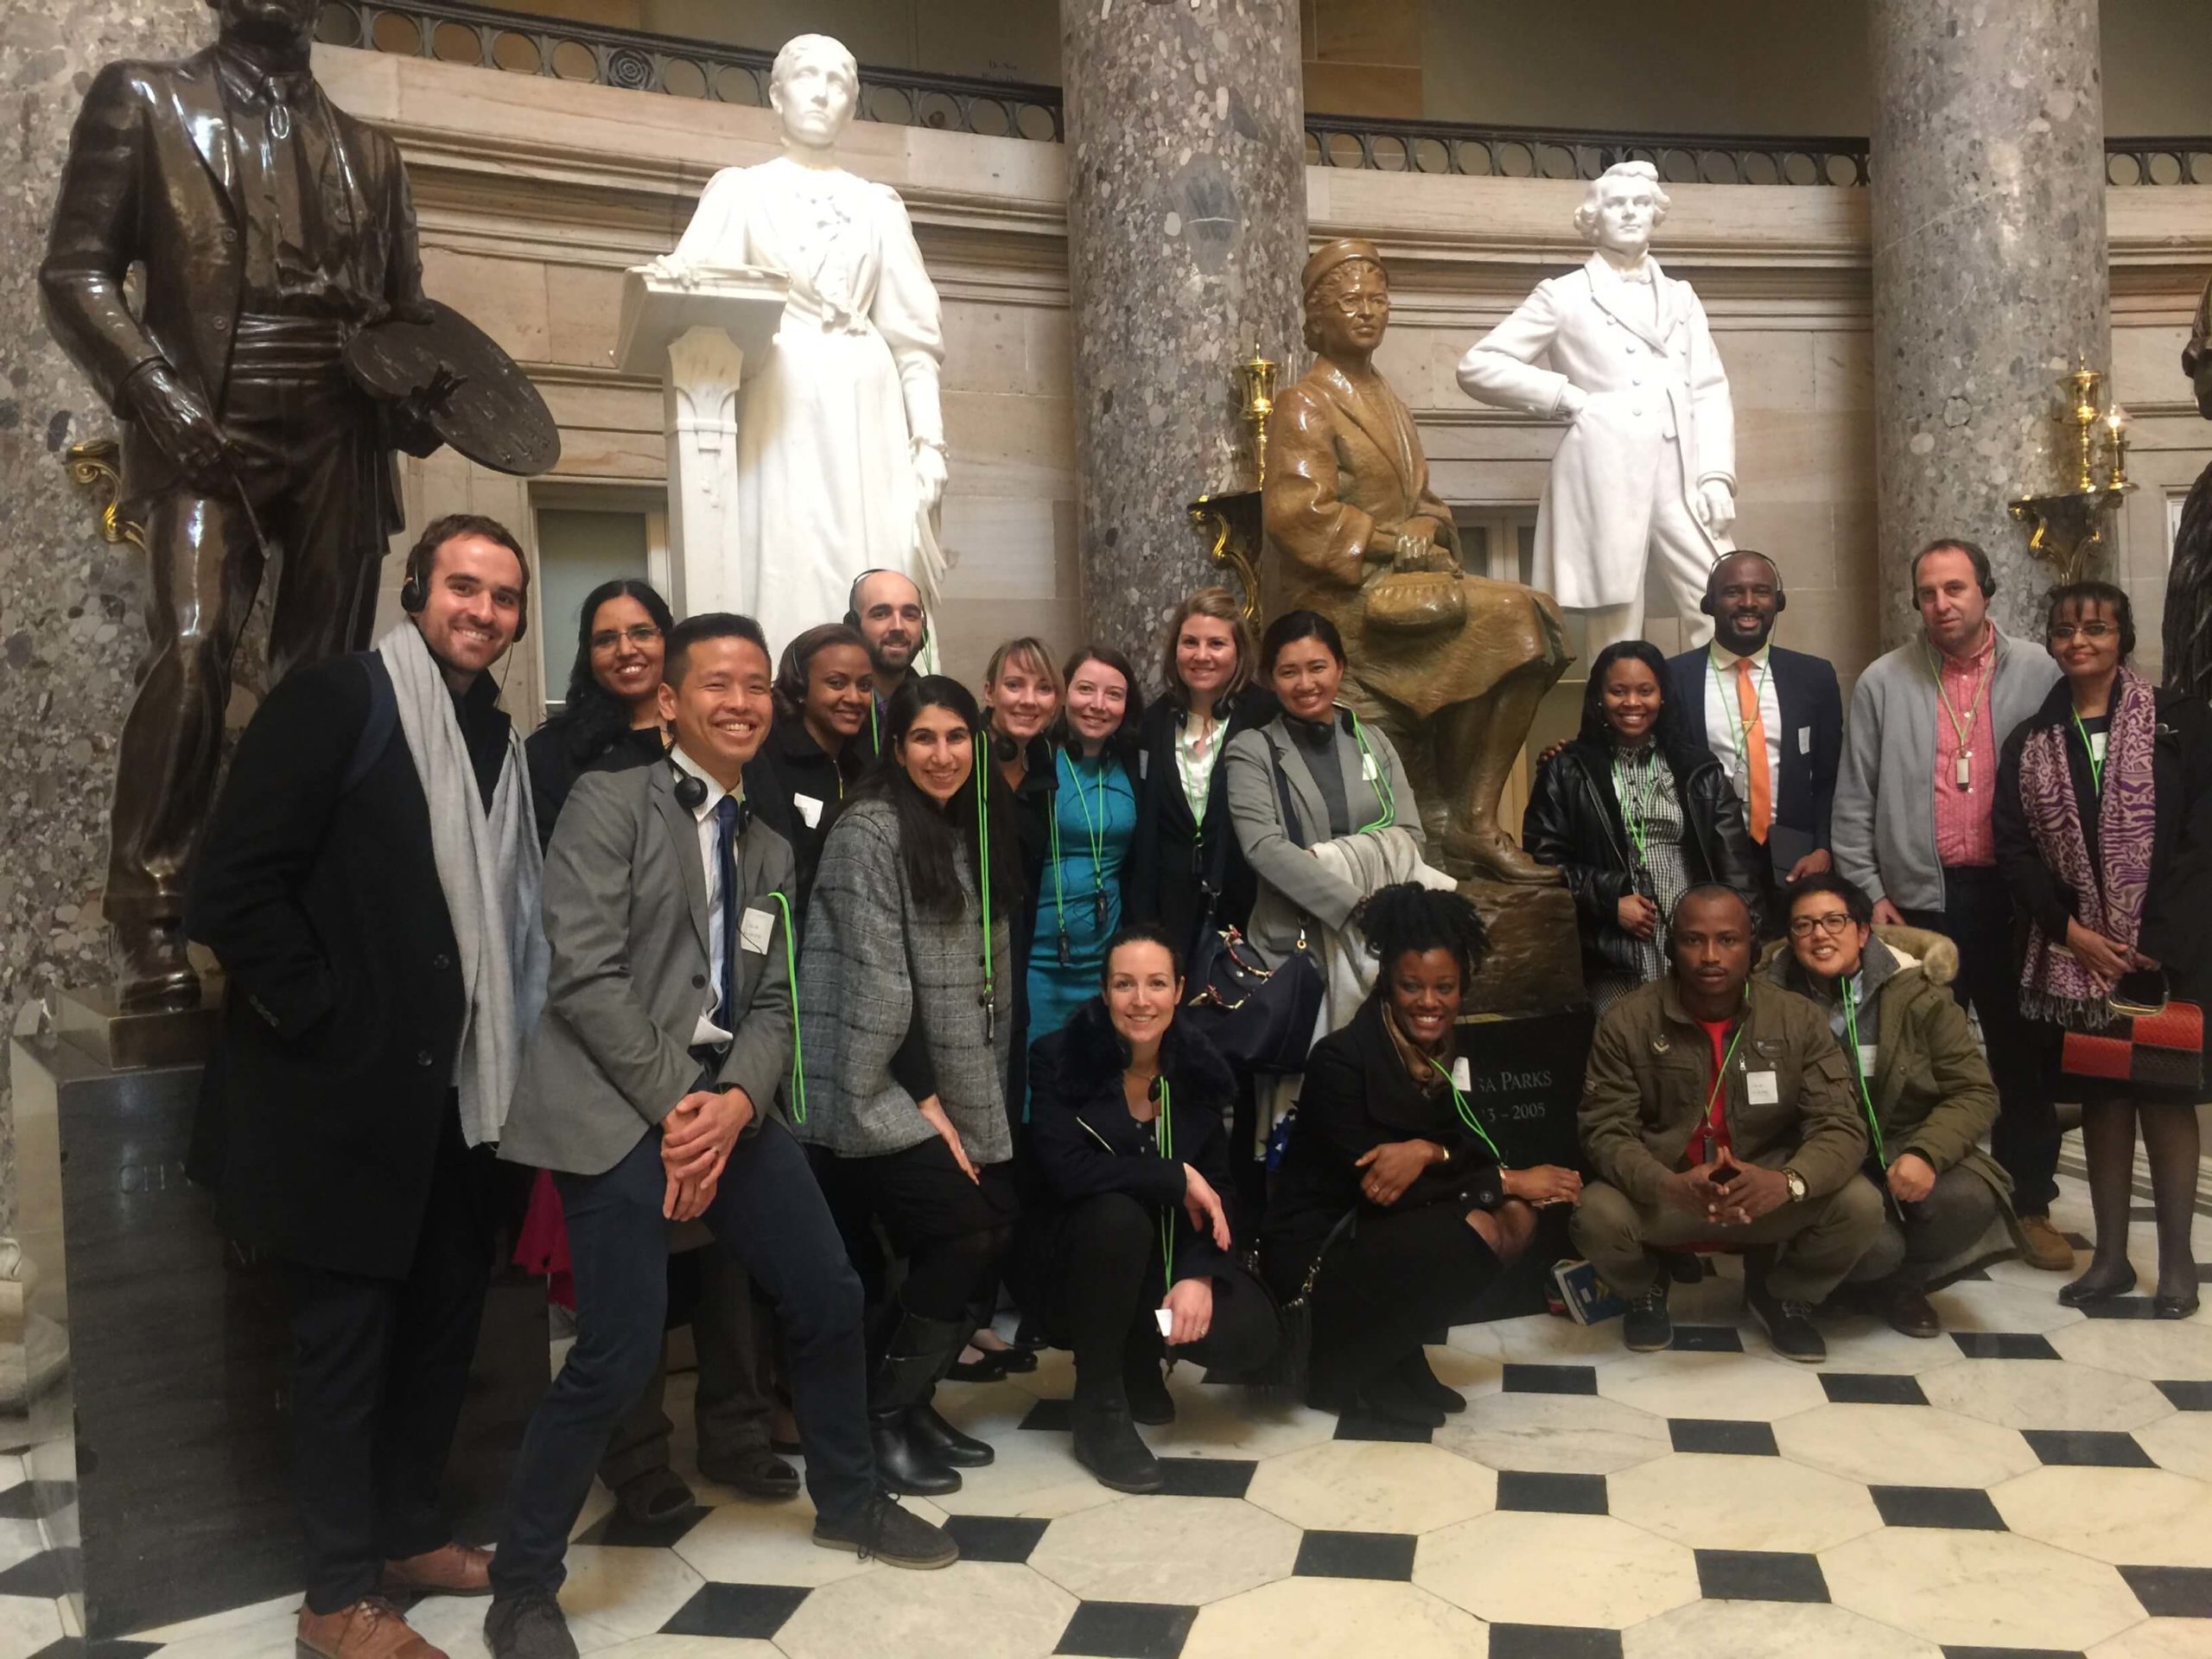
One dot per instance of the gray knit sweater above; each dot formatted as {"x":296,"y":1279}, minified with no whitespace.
{"x":870,"y":963}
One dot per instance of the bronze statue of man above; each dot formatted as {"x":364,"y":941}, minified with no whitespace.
{"x":272,"y":226}
{"x":1451,"y":665}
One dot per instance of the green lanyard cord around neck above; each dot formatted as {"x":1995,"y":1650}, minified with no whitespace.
{"x":1097,"y":831}
{"x":1467,"y":1113}
{"x":1383,"y":793}
{"x":1636,"y":809}
{"x":791,"y":972}
{"x":1718,"y":1099}
{"x":1731,"y":704}
{"x":1164,"y":1139}
{"x":1859,"y":1067}
{"x":983,"y":892}
{"x":2090,"y":749}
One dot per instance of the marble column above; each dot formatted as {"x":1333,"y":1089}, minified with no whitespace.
{"x":1186,"y":228}
{"x":1990,"y":273}
{"x":69,"y":604}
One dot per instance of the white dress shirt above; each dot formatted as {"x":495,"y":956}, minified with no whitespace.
{"x":706,"y":1033}
{"x":1724,"y":720}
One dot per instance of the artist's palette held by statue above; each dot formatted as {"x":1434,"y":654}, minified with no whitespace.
{"x":465,"y":387}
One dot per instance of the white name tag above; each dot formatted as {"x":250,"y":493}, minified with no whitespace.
{"x":1760,"y":1088}
{"x":754,"y":928}
{"x":1462,"y":1079}
{"x":1367,"y":766}
{"x":1144,"y":765}
{"x":1165,"y":1319}
{"x":1804,"y":740}
{"x":810,"y":808}
{"x":1870,"y":1057}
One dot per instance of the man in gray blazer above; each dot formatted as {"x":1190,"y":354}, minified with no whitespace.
{"x":650,"y":1090}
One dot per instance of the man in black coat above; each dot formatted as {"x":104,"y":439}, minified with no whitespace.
{"x":331,"y":1124}
{"x":1783,"y":758}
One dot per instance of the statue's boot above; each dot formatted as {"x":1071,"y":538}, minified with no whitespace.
{"x":152,"y":967}
{"x":1491,"y":850}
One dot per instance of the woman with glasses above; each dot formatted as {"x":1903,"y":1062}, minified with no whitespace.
{"x":2103,"y":826}
{"x":1633,"y":814}
{"x":613,"y":697}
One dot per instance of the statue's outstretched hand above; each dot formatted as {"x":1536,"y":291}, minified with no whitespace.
{"x":1715,"y":505}
{"x":180,"y":421}
{"x":929,"y":475}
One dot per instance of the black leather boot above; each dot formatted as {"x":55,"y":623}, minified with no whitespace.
{"x":944,"y":1442}
{"x":1107,"y":1443}
{"x":914,"y":1356}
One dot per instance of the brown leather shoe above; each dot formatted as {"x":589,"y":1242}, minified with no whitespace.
{"x":2044,"y":1246}
{"x":371,"y":1628}
{"x":449,"y":1570}
{"x":1908,"y":1310}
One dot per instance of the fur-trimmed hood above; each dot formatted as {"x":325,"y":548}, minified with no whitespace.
{"x":1912,"y":947}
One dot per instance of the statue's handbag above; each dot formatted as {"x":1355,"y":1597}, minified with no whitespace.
{"x":1415,"y":601}
{"x":2153,"y":1039}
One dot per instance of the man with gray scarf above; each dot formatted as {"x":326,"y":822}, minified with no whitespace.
{"x":370,"y":882}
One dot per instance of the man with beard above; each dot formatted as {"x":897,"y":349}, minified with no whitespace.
{"x":1773,"y":718}
{"x":887,"y":607}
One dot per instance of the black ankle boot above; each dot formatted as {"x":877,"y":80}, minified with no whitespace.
{"x":943,"y":1441}
{"x":916,"y":1352}
{"x":1107,"y":1443}
{"x":903,"y":1463}
{"x":1425,"y":1385}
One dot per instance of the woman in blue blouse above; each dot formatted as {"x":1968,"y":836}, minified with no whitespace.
{"x":1093,"y":820}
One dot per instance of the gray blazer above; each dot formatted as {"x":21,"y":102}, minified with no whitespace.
{"x":625,"y":915}
{"x":1884,"y":829}
{"x":1293,"y":884}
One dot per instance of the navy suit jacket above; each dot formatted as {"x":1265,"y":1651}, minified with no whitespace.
{"x":1811,"y":735}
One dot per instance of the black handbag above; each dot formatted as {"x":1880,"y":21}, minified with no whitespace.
{"x":1261,"y":1019}
{"x":1292,"y":1370}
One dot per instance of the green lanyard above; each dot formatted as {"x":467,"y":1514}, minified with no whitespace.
{"x":2096,"y":765}
{"x":1164,"y":1138}
{"x":1731,"y":703}
{"x":1859,"y":1069}
{"x":983,"y":770}
{"x":1384,"y":795}
{"x":1096,"y":830}
{"x":1468,"y":1114}
{"x":1711,"y":1128}
{"x":1636,"y":809}
{"x":791,"y":973}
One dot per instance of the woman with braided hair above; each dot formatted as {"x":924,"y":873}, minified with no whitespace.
{"x":1390,"y":1131}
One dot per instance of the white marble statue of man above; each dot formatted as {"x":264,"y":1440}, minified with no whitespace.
{"x":1648,"y":464}
{"x":840,"y":440}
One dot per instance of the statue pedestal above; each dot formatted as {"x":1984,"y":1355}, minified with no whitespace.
{"x":697,"y":335}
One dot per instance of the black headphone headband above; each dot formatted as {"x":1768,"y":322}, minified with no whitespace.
{"x":1781,"y":593}
{"x":414,"y":589}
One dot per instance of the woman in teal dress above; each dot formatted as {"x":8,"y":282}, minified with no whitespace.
{"x":1094,"y":815}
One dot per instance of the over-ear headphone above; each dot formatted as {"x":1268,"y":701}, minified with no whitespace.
{"x":1004,"y":750}
{"x":415,"y":590}
{"x":691,"y":795}
{"x":853,"y":603}
{"x":1985,"y":573}
{"x":1781,"y":596}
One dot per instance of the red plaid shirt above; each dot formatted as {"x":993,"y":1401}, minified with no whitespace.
{"x":1963,"y":836}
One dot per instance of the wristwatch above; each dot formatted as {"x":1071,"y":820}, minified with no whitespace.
{"x":1796,"y":1183}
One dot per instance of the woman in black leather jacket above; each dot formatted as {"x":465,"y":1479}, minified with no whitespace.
{"x":1633,"y":814}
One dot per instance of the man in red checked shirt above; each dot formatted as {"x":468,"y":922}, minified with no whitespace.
{"x":1718,"y":1109}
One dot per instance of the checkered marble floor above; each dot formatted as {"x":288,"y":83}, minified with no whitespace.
{"x":2032,"y":1482}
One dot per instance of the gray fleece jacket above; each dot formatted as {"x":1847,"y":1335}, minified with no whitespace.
{"x":1885,"y":827}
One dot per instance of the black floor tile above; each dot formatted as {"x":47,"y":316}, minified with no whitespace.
{"x":1965,"y":1507}
{"x":2003,"y":1344}
{"x":1708,"y":1340}
{"x":1128,"y":1630}
{"x":1722,"y":1434}
{"x":1871,"y":1389}
{"x":1049,"y":1415}
{"x":1353,"y":1426}
{"x":2172,"y":1592}
{"x":1523,"y":1488}
{"x":2098,"y":1447}
{"x":1759,"y":1575}
{"x":75,"y":1647}
{"x":26,"y":1500}
{"x":1953,"y":1651}
{"x":1206,"y":1477}
{"x":1550,"y":1379}
{"x":1553,"y":1642}
{"x":1356,"y":1555}
{"x":757,"y":1611}
{"x":620,"y":1530}
{"x":48,"y":1575}
{"x":2188,"y":1396}
{"x":995,"y":1537}
{"x":2080,"y":1241}
{"x":2121,"y":1307}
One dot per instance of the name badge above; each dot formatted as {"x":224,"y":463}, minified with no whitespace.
{"x":1144,"y":765}
{"x":1760,"y":1088}
{"x":1367,"y":766}
{"x":1804,"y":740}
{"x":754,"y":929}
{"x":1462,"y":1079}
{"x":1870,"y":1057}
{"x":810,"y":808}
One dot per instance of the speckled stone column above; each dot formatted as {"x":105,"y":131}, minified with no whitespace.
{"x":69,"y":604}
{"x":1990,"y":273}
{"x":1186,"y":228}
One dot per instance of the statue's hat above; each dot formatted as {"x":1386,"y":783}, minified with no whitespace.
{"x":1326,"y":257}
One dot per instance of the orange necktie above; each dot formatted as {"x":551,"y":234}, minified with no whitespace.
{"x":1747,"y":701}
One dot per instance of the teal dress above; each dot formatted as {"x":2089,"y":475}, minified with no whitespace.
{"x":1080,"y":892}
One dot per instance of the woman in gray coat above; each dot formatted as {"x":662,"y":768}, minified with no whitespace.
{"x":906,"y":1010}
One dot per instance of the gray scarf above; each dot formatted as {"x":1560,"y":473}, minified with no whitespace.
{"x":488,"y":866}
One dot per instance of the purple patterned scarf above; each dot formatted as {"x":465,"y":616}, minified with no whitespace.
{"x":2107,"y":896}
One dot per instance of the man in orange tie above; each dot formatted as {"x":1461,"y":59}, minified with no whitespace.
{"x":1773,"y":718}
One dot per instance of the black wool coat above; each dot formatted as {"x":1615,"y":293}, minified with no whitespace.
{"x":1174,"y":858}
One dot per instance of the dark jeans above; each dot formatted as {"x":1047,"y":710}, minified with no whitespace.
{"x":1111,"y":1279}
{"x":732,"y":1409}
{"x":1955,"y":1213}
{"x":379,"y":1368}
{"x":952,"y":1232}
{"x":1977,"y":917}
{"x":767,"y":1212}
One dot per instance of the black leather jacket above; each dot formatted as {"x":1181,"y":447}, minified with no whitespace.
{"x":1574,"y":820}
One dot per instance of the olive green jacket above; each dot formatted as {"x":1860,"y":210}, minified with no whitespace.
{"x":1652,"y":1066}
{"x":1931,"y":1088}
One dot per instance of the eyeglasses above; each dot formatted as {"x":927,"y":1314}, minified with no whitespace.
{"x":2061,"y":632}
{"x":641,"y":636}
{"x":1832,"y":924}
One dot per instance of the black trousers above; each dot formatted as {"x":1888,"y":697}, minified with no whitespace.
{"x":1977,"y":917}
{"x":733,"y":1408}
{"x":379,"y":1369}
{"x":1111,"y":1278}
{"x":952,"y":1231}
{"x":767,"y":1211}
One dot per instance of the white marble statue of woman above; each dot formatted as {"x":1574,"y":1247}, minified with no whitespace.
{"x":1648,"y":466}
{"x":840,"y":440}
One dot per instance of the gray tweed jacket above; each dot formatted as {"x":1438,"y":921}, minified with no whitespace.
{"x":869,"y":963}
